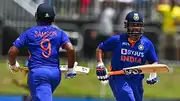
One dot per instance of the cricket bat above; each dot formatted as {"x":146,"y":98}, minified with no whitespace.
{"x":64,"y":68}
{"x":142,"y":69}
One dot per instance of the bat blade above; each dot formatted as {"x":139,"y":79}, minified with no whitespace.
{"x":150,"y":68}
{"x":142,"y":69}
{"x":78,"y":69}
{"x":64,"y":68}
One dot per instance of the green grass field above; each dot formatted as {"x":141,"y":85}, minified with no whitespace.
{"x":89,"y":86}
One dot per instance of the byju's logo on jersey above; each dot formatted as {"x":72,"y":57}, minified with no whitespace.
{"x":125,"y":51}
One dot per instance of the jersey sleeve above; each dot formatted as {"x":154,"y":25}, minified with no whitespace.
{"x":21,"y":40}
{"x":64,"y":38}
{"x":151,"y":55}
{"x":109,"y":44}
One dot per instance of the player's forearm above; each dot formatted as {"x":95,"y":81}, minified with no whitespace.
{"x":99,"y":55}
{"x":12,"y":53}
{"x":71,"y":57}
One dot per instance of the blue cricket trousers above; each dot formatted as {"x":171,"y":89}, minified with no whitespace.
{"x":42,"y":82}
{"x":126,"y":89}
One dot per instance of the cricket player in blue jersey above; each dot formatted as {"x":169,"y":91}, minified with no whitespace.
{"x":43,"y":42}
{"x":128,"y":49}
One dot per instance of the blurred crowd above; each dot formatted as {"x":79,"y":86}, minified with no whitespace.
{"x":113,"y":13}
{"x":169,"y":10}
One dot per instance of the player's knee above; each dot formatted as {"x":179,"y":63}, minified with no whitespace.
{"x":125,"y":97}
{"x":124,"y":93}
{"x":71,"y":50}
{"x":44,"y":93}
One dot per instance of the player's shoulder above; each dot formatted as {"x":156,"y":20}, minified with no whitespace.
{"x":28,"y":31}
{"x":61,"y":31}
{"x":58,"y":30}
{"x":118,"y":36}
{"x":146,"y":40}
{"x":32,"y":29}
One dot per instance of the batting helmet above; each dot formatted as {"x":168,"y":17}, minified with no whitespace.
{"x":45,"y":13}
{"x":134,"y":23}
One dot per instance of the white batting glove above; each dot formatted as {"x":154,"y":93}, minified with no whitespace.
{"x":14,"y":68}
{"x":71,"y":73}
{"x":152,"y":79}
{"x":101,"y":72}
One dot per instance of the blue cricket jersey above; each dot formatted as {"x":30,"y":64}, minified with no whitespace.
{"x":125,"y":55}
{"x":43,"y":43}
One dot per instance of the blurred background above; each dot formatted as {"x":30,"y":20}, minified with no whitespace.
{"x":87,"y":23}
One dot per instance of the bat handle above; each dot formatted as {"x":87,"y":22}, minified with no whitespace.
{"x":75,"y":64}
{"x":120,"y":72}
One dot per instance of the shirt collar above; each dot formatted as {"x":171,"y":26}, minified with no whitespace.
{"x":44,"y":24}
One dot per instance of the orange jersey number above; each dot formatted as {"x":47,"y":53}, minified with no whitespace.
{"x":48,"y":48}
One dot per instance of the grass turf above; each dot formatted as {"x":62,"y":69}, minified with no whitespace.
{"x":89,"y":86}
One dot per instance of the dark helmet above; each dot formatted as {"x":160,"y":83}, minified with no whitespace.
{"x":134,"y":23}
{"x":45,"y":13}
